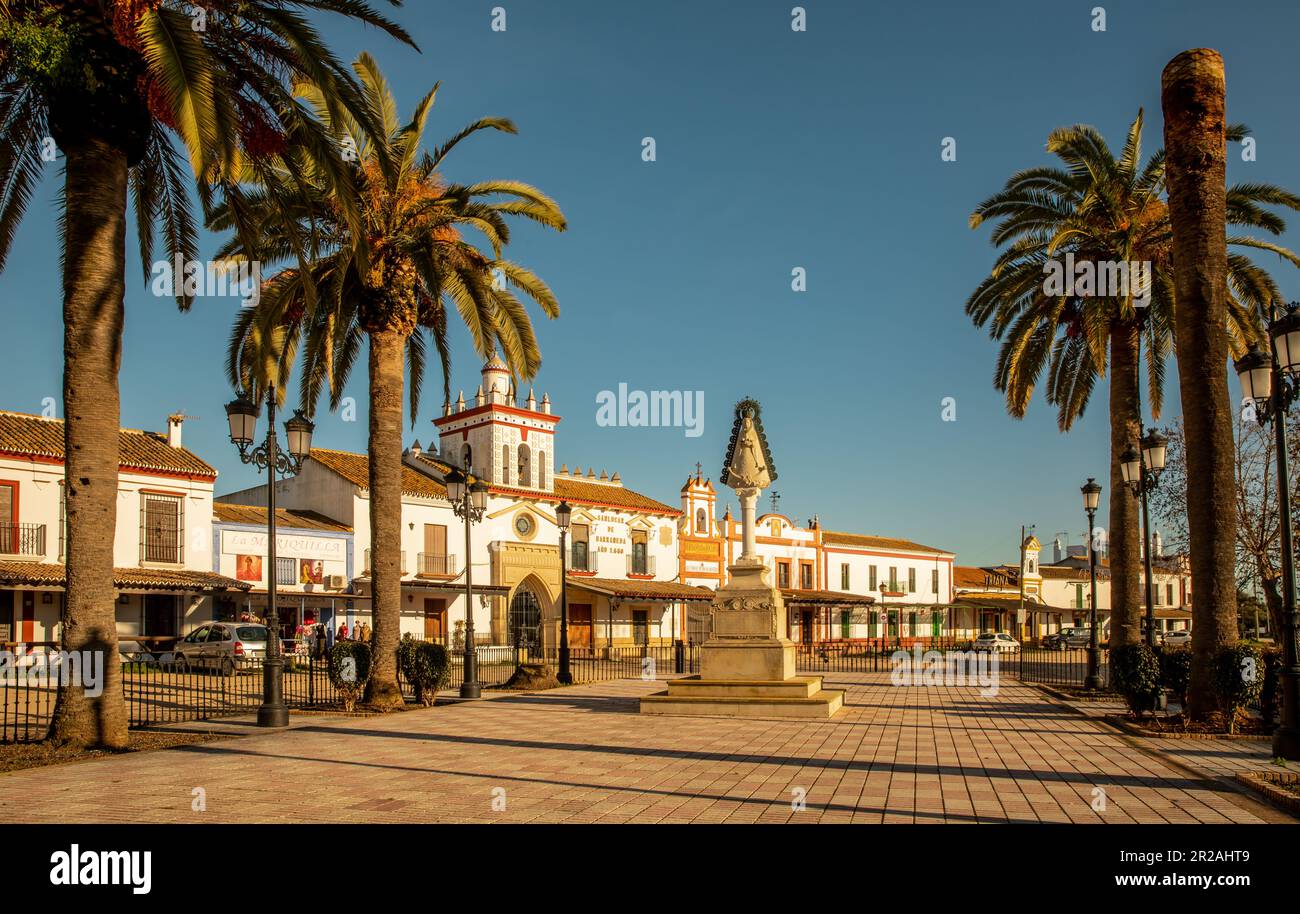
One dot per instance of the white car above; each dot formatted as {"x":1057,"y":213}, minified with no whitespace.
{"x":223,"y":646}
{"x":1178,"y":637}
{"x":999,"y":642}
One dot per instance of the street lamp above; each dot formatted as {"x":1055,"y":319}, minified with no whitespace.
{"x":468,"y":501}
{"x":1141,"y":472}
{"x":1091,"y":496}
{"x":242,"y":413}
{"x":562,"y":515}
{"x":1256,"y":371}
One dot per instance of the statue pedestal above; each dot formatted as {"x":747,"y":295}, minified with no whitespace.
{"x":747,"y":665}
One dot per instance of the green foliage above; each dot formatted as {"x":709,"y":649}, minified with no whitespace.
{"x":1135,"y":674}
{"x":1270,"y":694}
{"x":1176,"y":671}
{"x":41,"y":49}
{"x":1238,"y":678}
{"x":426,"y":666}
{"x":350,"y":670}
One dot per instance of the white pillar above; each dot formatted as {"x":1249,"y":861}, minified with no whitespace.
{"x":748,"y":505}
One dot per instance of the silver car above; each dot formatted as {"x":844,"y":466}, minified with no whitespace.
{"x":998,"y":642}
{"x":1177,"y":637}
{"x":223,"y":646}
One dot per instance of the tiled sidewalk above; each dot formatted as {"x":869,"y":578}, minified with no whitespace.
{"x":584,"y":754}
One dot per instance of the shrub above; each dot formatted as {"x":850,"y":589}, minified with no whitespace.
{"x":1176,"y":671}
{"x":350,"y":670}
{"x":1238,"y":678}
{"x":1270,"y":694}
{"x":1135,"y":674}
{"x":426,"y":666}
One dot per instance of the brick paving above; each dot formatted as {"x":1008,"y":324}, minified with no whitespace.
{"x":584,"y":754}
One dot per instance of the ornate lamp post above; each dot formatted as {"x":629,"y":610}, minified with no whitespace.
{"x":1091,"y":496}
{"x":468,"y":501}
{"x":1256,"y":371}
{"x":242,"y":415}
{"x":562,"y":515}
{"x":1141,"y":472}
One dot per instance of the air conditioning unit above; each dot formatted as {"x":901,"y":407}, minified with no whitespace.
{"x":335,"y":581}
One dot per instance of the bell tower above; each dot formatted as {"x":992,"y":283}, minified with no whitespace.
{"x":699,"y":503}
{"x":504,"y":442}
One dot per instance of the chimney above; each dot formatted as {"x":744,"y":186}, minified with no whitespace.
{"x":174,"y":423}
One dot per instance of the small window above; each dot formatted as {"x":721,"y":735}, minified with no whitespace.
{"x":525,"y":466}
{"x":934,"y":581}
{"x":872,"y":584}
{"x":783,"y":574}
{"x":911,"y":580}
{"x":702,"y":522}
{"x":505,"y":464}
{"x":844,"y":578}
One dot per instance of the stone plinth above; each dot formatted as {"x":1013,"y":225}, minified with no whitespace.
{"x":747,"y":665}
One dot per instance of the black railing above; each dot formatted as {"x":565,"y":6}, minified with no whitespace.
{"x":435,"y":563}
{"x":160,"y":691}
{"x":22,"y":539}
{"x":1067,"y":667}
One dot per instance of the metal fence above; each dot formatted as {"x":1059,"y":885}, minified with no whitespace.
{"x":159,"y":691}
{"x":1067,"y":667}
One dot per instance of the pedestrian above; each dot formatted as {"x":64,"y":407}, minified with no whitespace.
{"x":343,"y":631}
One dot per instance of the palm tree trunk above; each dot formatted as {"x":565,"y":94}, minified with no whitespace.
{"x":94,"y":267}
{"x":1125,"y":535}
{"x":387,"y":386}
{"x":1192,"y":97}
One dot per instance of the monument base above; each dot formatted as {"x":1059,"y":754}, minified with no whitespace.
{"x":797,"y":696}
{"x":747,"y":666}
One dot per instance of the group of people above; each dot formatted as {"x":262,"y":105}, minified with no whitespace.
{"x":361,"y":632}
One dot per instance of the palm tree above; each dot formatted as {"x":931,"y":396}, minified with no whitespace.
{"x":1095,"y":209}
{"x":1192,"y":97}
{"x":393,"y":282}
{"x":112,"y":84}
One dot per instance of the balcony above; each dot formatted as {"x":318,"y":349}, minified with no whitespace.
{"x":640,"y":565}
{"x":365,"y":561}
{"x":22,"y":539}
{"x":433,"y":565}
{"x":582,"y":559}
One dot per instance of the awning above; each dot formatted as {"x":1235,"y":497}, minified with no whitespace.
{"x":654,"y":591}
{"x":450,"y":587}
{"x":48,"y":574}
{"x":800,"y":597}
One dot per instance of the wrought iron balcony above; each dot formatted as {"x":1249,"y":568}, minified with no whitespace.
{"x":640,"y":564}
{"x":22,"y":539}
{"x":434,"y":564}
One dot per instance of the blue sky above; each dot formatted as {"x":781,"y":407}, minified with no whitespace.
{"x":775,"y":150}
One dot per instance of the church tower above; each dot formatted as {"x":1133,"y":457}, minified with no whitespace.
{"x":700,"y":544}
{"x":503,"y":441}
{"x":699,"y":502}
{"x":1030,"y":573}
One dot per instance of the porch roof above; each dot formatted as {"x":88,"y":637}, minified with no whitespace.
{"x":450,"y":586}
{"x":656,"y":591}
{"x":824,"y":597}
{"x":46,"y":574}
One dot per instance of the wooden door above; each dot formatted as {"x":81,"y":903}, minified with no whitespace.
{"x":435,"y":619}
{"x":580,"y":622}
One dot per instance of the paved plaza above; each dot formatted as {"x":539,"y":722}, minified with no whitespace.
{"x":584,"y":754}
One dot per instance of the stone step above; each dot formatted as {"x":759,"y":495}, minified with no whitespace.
{"x":821,"y":705}
{"x":695,"y":687}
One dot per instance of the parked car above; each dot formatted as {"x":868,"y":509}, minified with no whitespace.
{"x":224,"y":646}
{"x":996,"y":641}
{"x":1178,"y":637}
{"x":1069,"y":637}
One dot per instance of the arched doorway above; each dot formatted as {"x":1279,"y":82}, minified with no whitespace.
{"x":526,"y":621}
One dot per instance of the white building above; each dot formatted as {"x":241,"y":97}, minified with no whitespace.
{"x":623,"y":585}
{"x":162,"y":545}
{"x":836,"y":585}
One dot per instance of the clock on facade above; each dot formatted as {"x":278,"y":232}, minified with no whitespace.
{"x":523,"y":525}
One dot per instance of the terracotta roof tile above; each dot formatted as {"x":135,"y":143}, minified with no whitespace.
{"x":355,"y":468}
{"x":642,"y":590}
{"x":224,"y":512}
{"x":26,"y":435}
{"x":824,"y":597}
{"x":576,"y":491}
{"x":877,"y":542}
{"x":52,"y":575}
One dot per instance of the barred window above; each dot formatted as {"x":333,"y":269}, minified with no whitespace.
{"x":162,"y":528}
